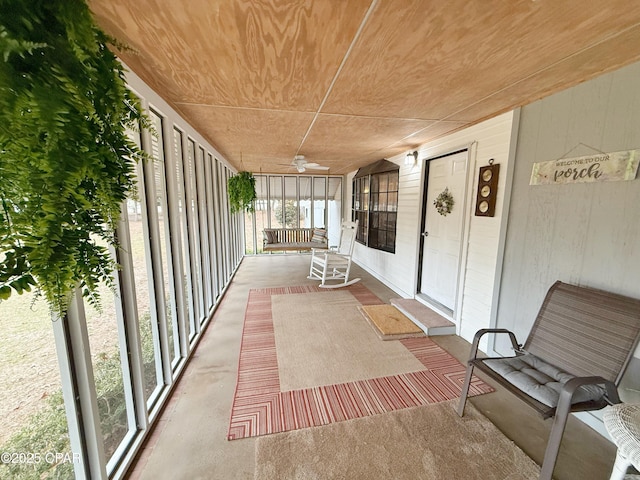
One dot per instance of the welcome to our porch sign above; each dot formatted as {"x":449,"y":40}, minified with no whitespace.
{"x":602,"y":167}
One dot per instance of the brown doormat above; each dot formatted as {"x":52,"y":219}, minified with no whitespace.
{"x":389,"y":323}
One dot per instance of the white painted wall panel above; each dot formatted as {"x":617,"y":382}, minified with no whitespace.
{"x":587,"y":234}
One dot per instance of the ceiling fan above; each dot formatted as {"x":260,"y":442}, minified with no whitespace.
{"x":301,"y":164}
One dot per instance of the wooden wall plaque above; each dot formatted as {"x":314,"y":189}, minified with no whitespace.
{"x":487,"y":190}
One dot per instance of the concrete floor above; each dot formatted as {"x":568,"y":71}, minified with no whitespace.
{"x":189,"y":440}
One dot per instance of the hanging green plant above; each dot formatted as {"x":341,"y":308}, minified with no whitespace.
{"x":242,"y":192}
{"x":444,"y":202}
{"x":66,"y":162}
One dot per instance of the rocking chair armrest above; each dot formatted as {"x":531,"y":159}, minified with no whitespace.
{"x":328,"y":253}
{"x":480,"y":333}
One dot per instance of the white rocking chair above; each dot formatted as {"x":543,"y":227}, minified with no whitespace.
{"x":335,"y":263}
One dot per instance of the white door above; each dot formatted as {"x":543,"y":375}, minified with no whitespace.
{"x":442,"y":235}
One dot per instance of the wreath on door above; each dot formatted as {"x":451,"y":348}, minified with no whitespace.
{"x":444,"y":202}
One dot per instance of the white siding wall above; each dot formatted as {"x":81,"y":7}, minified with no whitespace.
{"x":489,"y":139}
{"x":587,"y":234}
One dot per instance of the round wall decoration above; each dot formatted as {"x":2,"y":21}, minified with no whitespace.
{"x":444,"y":202}
{"x":487,"y":190}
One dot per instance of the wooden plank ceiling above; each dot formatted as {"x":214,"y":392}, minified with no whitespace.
{"x":346,"y":83}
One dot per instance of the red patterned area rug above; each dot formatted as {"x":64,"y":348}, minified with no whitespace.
{"x":260,"y":407}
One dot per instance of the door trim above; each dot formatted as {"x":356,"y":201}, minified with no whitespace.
{"x":454,"y":314}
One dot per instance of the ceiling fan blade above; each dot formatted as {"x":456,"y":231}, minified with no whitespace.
{"x":300,"y":164}
{"x":315,"y":166}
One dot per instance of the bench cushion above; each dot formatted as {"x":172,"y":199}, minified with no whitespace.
{"x":292,"y":246}
{"x":270,"y":236}
{"x":539,"y":379}
{"x":298,"y":245}
{"x":319,"y":235}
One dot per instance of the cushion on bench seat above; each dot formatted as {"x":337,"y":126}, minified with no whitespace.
{"x":298,"y":245}
{"x":319,"y":235}
{"x":539,"y":379}
{"x":270,"y":236}
{"x":293,"y":246}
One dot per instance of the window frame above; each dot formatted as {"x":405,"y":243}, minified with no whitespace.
{"x":374,"y":204}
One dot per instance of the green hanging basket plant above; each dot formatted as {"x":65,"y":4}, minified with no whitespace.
{"x":66,"y":162}
{"x":242,"y":192}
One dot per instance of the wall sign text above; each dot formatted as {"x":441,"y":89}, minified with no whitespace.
{"x":601,"y":167}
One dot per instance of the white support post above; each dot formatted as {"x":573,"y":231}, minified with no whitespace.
{"x":78,"y":391}
{"x":179,"y":270}
{"x":63,"y":350}
{"x":128,"y":331}
{"x":157,"y":307}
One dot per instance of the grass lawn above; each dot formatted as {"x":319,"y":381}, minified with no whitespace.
{"x":29,"y":370}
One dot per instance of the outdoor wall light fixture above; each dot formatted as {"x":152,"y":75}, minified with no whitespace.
{"x":411,"y":158}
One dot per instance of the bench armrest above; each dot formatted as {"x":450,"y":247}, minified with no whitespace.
{"x":570,"y":387}
{"x":480,"y":333}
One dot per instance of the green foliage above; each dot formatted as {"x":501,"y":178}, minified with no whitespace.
{"x":290,"y":213}
{"x":46,"y":431}
{"x":111,"y":402}
{"x":147,"y":343}
{"x":66,"y":162}
{"x":242,"y":192}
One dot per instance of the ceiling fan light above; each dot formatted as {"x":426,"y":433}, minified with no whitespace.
{"x":300,"y":168}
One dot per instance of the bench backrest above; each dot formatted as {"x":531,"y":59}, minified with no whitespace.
{"x":586,"y":332}
{"x":293,"y":235}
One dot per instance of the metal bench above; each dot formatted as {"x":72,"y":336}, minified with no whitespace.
{"x":573,"y":359}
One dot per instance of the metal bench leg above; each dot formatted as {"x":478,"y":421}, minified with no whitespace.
{"x":555,"y":438}
{"x":562,"y":415}
{"x":465,"y":390}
